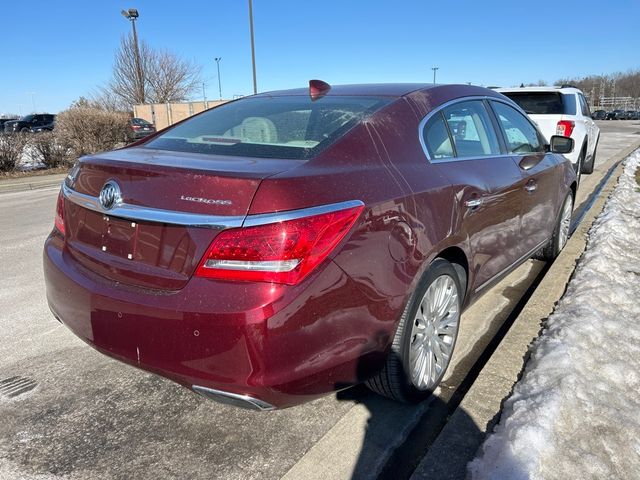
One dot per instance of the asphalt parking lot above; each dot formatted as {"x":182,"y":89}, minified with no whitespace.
{"x":83,"y":415}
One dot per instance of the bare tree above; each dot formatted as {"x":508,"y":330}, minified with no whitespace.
{"x":170,"y":78}
{"x":165,"y":77}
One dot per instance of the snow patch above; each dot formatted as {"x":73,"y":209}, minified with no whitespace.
{"x":576,"y":411}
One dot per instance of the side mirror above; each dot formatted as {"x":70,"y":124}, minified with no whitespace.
{"x":561,"y":144}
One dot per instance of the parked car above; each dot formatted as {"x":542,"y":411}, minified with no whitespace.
{"x":616,"y":115}
{"x":140,"y":128}
{"x":285,"y":245}
{"x":631,"y":115}
{"x":3,"y":121}
{"x":26,"y":123}
{"x":599,"y":115}
{"x":561,"y":111}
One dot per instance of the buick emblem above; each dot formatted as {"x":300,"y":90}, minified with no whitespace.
{"x":110,"y":195}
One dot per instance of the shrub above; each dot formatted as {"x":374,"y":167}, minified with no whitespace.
{"x":53,"y":150}
{"x":11,"y":147}
{"x":89,"y":130}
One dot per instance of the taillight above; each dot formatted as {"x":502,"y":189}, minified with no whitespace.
{"x":282,"y":252}
{"x":565,"y":128}
{"x":135,"y":127}
{"x":59,"y":220}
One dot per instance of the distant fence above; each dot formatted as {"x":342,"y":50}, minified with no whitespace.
{"x":164,"y":114}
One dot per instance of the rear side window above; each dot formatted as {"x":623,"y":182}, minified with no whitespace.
{"x":288,"y":127}
{"x":584,"y":106}
{"x":471,"y":129}
{"x":436,"y":138}
{"x":520,"y":135}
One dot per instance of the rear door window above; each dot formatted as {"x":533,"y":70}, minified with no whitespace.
{"x":520,"y":135}
{"x":471,"y":129}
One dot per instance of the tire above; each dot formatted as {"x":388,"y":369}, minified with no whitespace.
{"x":587,"y":168}
{"x":560,"y":232}
{"x":24,"y":130}
{"x":578,"y":167}
{"x":413,"y":369}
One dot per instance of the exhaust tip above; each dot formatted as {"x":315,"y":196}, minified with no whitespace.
{"x":234,"y":399}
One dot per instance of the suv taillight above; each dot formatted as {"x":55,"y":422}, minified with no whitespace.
{"x":565,"y":128}
{"x":282,"y":252}
{"x":59,"y":219}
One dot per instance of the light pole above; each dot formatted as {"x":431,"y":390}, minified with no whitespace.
{"x":33,"y":100}
{"x":435,"y":69}
{"x":217,"y":59}
{"x":253,"y":50}
{"x":132,"y":15}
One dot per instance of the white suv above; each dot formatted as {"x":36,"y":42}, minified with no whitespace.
{"x":561,"y":111}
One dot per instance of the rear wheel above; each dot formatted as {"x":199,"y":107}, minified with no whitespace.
{"x":587,"y":168}
{"x":560,"y":232}
{"x":424,"y":342}
{"x":579,"y":165}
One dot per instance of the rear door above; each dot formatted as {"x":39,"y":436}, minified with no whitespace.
{"x":461,"y":139}
{"x":540,"y":176}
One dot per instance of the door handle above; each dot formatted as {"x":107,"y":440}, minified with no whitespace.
{"x":473,"y":203}
{"x":531,"y":186}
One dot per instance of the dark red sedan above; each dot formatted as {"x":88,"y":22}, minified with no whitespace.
{"x":288,"y":244}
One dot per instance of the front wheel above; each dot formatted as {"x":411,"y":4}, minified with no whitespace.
{"x":560,"y":232}
{"x":425,"y":338}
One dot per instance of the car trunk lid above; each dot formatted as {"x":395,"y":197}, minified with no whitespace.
{"x":158,"y":233}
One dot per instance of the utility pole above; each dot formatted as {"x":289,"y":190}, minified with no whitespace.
{"x":204,"y":96}
{"x":435,"y":69}
{"x":253,"y":49}
{"x":132,"y":15}
{"x":217,"y":59}
{"x":33,"y":100}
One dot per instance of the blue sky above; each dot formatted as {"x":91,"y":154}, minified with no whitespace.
{"x":64,"y":49}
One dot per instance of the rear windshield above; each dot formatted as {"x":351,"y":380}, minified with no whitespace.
{"x":544,"y":103}
{"x":289,"y":127}
{"x":139,"y":121}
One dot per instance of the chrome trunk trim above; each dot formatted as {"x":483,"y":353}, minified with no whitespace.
{"x":140,"y":213}
{"x":137,"y":212}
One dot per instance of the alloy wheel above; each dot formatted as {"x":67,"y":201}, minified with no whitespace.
{"x":565,"y":222}
{"x":434,"y":332}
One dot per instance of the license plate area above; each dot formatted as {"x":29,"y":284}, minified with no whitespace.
{"x":120,"y":237}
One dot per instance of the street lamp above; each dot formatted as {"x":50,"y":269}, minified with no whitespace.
{"x":217,"y":59}
{"x":435,"y":69}
{"x":132,"y":15}
{"x":253,"y":50}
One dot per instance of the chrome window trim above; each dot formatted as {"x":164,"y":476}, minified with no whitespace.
{"x":137,"y":212}
{"x":437,"y":110}
{"x":265,"y":218}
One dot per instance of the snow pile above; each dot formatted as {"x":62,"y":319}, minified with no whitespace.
{"x":576,"y":411}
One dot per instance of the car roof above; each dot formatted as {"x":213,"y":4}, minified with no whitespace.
{"x":373,"y":89}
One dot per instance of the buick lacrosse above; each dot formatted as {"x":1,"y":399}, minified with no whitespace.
{"x":292,"y":243}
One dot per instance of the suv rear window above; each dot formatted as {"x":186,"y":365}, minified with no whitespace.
{"x":290,"y":127}
{"x":544,"y":103}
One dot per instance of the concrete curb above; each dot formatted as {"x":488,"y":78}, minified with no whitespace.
{"x":480,"y":409}
{"x":31,"y":183}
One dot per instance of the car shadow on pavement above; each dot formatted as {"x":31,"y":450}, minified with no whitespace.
{"x":398,"y":436}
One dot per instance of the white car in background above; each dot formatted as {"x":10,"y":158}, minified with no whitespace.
{"x":561,"y":111}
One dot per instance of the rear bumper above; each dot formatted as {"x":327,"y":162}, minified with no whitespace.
{"x":281,"y":345}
